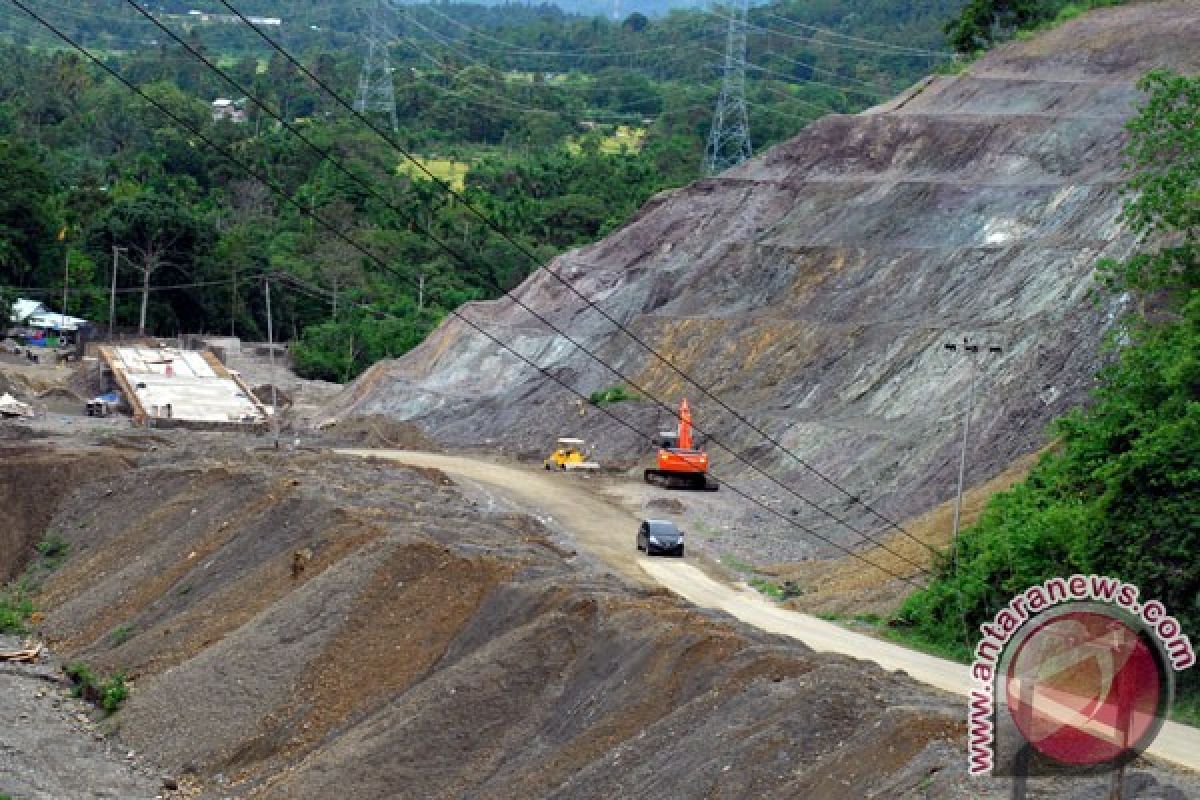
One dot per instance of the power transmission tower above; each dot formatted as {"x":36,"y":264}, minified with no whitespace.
{"x":376,"y":90}
{"x":729,"y":139}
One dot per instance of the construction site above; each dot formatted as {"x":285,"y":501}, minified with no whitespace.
{"x":438,"y":581}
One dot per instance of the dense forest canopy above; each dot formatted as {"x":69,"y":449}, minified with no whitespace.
{"x":557,"y":126}
{"x":983,"y":23}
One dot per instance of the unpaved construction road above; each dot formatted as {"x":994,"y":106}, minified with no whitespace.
{"x":606,"y":531}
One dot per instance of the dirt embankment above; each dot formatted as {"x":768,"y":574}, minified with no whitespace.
{"x":813,"y":289}
{"x":306,"y":626}
{"x":300,"y":625}
{"x":34,"y":477}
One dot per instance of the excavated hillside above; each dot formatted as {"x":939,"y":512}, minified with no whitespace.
{"x":419,"y":647}
{"x":302,"y":625}
{"x":814,"y":288}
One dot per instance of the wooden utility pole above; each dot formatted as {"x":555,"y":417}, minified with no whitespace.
{"x":66,"y":282}
{"x":112,"y":297}
{"x":270,"y":342}
{"x":271,"y":348}
{"x":233,"y":294}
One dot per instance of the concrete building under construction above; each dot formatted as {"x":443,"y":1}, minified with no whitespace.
{"x":172,"y":388}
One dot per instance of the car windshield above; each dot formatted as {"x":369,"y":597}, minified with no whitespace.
{"x":663,"y":529}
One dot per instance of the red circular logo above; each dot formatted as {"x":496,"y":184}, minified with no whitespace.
{"x":1085,"y":688}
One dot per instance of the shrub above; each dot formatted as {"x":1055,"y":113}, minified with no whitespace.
{"x":613,"y":394}
{"x":113,"y":692}
{"x":81,"y":676}
{"x":120,"y":635}
{"x":15,"y":609}
{"x":53,"y":550}
{"x":108,"y":694}
{"x":769,"y":588}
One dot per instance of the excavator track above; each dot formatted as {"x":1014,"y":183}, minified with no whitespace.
{"x":686,"y":481}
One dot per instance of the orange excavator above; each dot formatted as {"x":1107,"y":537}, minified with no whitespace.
{"x":680,"y":464}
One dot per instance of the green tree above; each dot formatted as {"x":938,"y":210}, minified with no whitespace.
{"x":1164,"y":151}
{"x":158,"y":231}
{"x":27,"y":223}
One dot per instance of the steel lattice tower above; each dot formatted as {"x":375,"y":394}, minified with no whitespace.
{"x":376,"y":89}
{"x":729,"y":139}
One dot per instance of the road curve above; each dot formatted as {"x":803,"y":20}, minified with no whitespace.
{"x":606,"y":531}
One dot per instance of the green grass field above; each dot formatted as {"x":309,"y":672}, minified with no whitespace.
{"x":452,"y":172}
{"x":624,"y":136}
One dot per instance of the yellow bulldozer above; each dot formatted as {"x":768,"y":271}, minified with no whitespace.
{"x":569,"y":455}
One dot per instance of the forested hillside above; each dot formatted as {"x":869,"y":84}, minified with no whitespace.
{"x":557,"y":127}
{"x":1119,"y":494}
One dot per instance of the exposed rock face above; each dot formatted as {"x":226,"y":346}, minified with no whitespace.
{"x":813,"y":288}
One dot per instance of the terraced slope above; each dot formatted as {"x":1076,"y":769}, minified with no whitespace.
{"x":814,"y":287}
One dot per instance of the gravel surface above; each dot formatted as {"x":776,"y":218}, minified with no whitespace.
{"x":53,"y":747}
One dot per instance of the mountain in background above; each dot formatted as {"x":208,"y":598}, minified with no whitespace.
{"x":114,"y":24}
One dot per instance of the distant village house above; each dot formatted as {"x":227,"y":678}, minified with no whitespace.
{"x":39,"y":325}
{"x":224,"y":108}
{"x":230,"y":19}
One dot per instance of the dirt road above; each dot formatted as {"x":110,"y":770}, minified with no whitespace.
{"x":606,"y":530}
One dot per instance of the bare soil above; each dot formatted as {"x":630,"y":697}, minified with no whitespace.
{"x":304,"y":625}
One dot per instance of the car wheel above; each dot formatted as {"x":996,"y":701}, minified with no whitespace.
{"x":547,"y":466}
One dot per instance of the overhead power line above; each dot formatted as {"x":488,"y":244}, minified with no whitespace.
{"x":874,"y":43}
{"x":535,"y":262}
{"x":879,"y":48}
{"x":328,"y":157}
{"x":288,"y":197}
{"x":441,"y":65}
{"x":769,"y":54}
{"x":80,"y":290}
{"x":580,"y":53}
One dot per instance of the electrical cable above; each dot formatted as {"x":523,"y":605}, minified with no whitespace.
{"x":832,"y":73}
{"x":501,"y":105}
{"x":283,"y":193}
{"x":584,"y":53}
{"x":917,"y":51}
{"x":471,"y":208}
{"x":590,"y":89}
{"x":881,"y":51}
{"x":542,"y":319}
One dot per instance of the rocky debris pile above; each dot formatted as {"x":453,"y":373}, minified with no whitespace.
{"x":304,"y":625}
{"x":53,"y":746}
{"x":377,"y":430}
